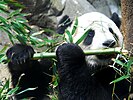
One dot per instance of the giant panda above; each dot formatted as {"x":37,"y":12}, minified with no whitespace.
{"x":88,"y":77}
{"x":78,"y":79}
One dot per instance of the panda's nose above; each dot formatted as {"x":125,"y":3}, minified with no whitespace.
{"x":109,"y":43}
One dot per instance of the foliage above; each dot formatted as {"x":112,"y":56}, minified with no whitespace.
{"x":14,"y":24}
{"x":5,"y":91}
{"x":123,"y":69}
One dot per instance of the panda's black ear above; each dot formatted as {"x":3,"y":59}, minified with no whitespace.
{"x":63,"y":24}
{"x":115,"y":18}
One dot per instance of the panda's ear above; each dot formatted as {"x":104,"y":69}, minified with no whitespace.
{"x":115,"y":18}
{"x":63,"y":24}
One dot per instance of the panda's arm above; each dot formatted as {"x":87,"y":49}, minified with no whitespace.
{"x":71,"y":57}
{"x":19,"y":57}
{"x":70,"y":53}
{"x":19,"y":54}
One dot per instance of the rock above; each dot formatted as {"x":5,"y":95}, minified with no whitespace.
{"x":106,"y":7}
{"x":77,"y":7}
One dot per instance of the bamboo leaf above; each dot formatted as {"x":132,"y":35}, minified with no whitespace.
{"x":2,"y":58}
{"x":22,"y":39}
{"x":11,"y":37}
{"x":82,"y":37}
{"x":119,"y":62}
{"x":4,"y":21}
{"x":75,"y":26}
{"x":120,"y":79}
{"x":6,"y":86}
{"x":15,"y":13}
{"x":15,"y":3}
{"x":3,"y":50}
{"x":70,"y":39}
{"x":129,"y":64}
{"x":12,"y":91}
{"x":3,"y":7}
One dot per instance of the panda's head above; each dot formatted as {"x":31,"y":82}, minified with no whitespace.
{"x":103,"y":33}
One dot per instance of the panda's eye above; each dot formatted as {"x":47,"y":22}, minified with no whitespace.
{"x":111,"y":30}
{"x":91,"y":33}
{"x":89,"y":37}
{"x":114,"y":34}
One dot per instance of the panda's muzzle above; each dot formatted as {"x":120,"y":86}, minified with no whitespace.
{"x":109,"y":44}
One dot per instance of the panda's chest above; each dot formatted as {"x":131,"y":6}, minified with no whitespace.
{"x":105,"y":76}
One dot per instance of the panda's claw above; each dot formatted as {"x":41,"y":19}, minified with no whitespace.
{"x":69,"y":51}
{"x":19,"y":53}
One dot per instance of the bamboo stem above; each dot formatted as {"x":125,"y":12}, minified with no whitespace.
{"x":87,"y":52}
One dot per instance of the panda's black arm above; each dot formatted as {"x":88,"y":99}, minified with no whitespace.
{"x":70,"y":54}
{"x":71,"y":61}
{"x":73,"y":73}
{"x":20,"y":61}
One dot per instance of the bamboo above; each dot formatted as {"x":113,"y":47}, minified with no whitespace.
{"x":87,"y":52}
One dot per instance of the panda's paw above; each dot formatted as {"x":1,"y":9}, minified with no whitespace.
{"x":19,"y":53}
{"x":69,"y":51}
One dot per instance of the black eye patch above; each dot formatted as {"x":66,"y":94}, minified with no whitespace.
{"x":89,"y":37}
{"x":114,"y":34}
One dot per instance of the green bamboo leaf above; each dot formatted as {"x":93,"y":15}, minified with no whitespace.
{"x":11,"y":37}
{"x":129,"y":64}
{"x":35,"y":40}
{"x":1,"y":55}
{"x":4,"y":21}
{"x":15,"y":13}
{"x":119,"y":62}
{"x":3,"y":58}
{"x":37,"y":33}
{"x":15,"y":3}
{"x":6,"y":86}
{"x":3,"y":49}
{"x":48,"y":40}
{"x":21,"y":20}
{"x":3,"y":5}
{"x":120,"y":79}
{"x":75,"y":26}
{"x":22,"y":39}
{"x":70,"y":39}
{"x":42,"y":44}
{"x":18,"y":27}
{"x":4,"y":10}
{"x":12,"y":91}
{"x":82,"y":37}
{"x":26,"y":26}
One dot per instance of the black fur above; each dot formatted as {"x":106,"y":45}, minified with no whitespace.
{"x":77,"y":81}
{"x":89,"y":38}
{"x":63,"y":24}
{"x":115,"y":18}
{"x":32,"y":73}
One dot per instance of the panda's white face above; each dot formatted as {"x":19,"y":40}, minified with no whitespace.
{"x":103,"y":34}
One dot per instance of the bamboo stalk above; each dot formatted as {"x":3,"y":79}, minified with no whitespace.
{"x":87,"y":52}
